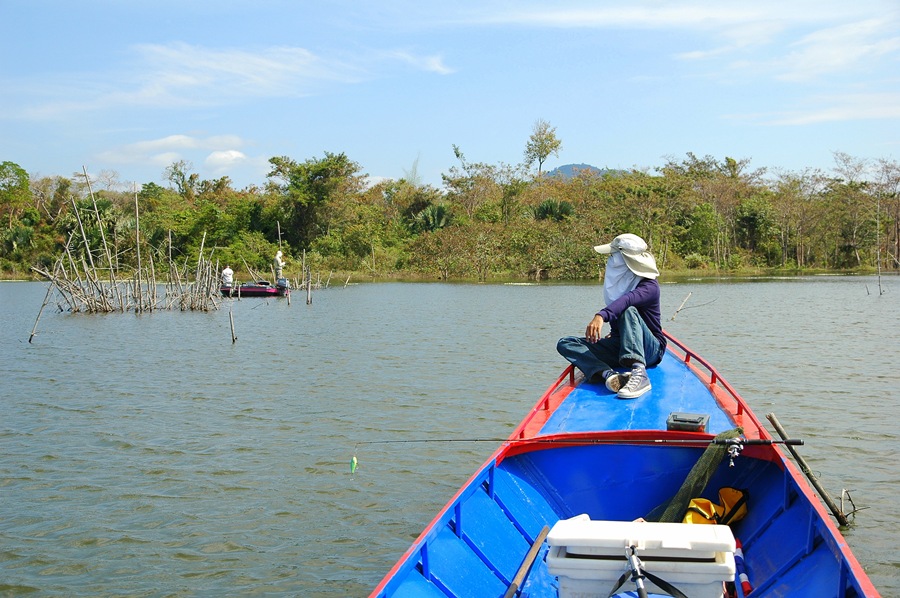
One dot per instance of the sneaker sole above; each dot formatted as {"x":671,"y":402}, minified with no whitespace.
{"x":635,"y":394}
{"x":615,"y":382}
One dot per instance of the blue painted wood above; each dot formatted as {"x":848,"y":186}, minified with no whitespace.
{"x":478,"y":541}
{"x":591,"y":407}
{"x":522,"y":500}
{"x":416,"y":586}
{"x":493,"y":536}
{"x":459,"y":570}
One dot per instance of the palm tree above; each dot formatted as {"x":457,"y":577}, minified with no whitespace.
{"x":433,"y":218}
{"x":551,"y":209}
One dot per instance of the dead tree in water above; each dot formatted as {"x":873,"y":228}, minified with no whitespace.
{"x":84,"y":286}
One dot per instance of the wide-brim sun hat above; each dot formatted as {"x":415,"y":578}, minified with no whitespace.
{"x":634,"y":250}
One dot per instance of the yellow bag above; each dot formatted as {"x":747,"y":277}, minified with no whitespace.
{"x":733,"y":507}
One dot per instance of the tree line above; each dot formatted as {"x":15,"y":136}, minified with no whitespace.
{"x":486,"y":222}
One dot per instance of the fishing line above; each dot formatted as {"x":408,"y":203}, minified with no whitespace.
{"x":354,"y":461}
{"x":741,"y":442}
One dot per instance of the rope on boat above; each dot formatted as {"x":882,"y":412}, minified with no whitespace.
{"x":741,"y":567}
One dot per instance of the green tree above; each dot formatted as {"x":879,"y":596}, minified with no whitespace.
{"x":15,"y":191}
{"x":185,"y":182}
{"x":755,"y":228}
{"x":471,"y":185}
{"x":433,"y":218}
{"x":553,"y":209}
{"x":305,"y":190}
{"x":542,"y":144}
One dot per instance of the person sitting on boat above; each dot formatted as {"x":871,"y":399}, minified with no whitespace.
{"x":636,"y":339}
{"x":227,"y":276}
{"x":279,"y":266}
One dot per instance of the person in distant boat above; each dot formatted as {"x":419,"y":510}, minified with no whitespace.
{"x":279,"y":265}
{"x":227,"y":276}
{"x":635,"y":340}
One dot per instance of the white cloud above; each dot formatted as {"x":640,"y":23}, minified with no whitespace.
{"x":180,"y":75}
{"x":840,"y":49}
{"x":433,"y":64}
{"x":848,"y":107}
{"x":222,"y":160}
{"x":807,"y":37}
{"x":276,"y":71}
{"x":172,"y":148}
{"x":662,"y":14}
{"x":162,"y":159}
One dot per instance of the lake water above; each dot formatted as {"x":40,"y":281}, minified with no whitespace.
{"x":151,"y":456}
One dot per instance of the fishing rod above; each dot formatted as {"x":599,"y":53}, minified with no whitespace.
{"x":534,"y":440}
{"x":735,"y":445}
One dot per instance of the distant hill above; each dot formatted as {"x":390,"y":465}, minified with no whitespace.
{"x":568,"y":171}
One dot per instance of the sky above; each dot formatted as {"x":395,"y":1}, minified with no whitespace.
{"x":132,"y":86}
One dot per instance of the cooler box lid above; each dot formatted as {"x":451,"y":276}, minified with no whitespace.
{"x":582,"y":536}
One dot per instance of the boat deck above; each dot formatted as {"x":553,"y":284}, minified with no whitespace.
{"x":582,"y":451}
{"x":592,"y":407}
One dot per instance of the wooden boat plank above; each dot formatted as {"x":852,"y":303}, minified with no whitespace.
{"x":522,"y":502}
{"x":416,"y":586}
{"x":492,"y":535}
{"x":461,"y":571}
{"x":581,"y":450}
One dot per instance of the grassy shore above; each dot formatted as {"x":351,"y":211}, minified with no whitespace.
{"x":340,"y":277}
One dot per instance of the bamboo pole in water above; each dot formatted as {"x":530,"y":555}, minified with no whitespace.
{"x":96,"y":300}
{"x":43,"y":305}
{"x":76,"y":284}
{"x":680,"y":307}
{"x":137,"y":245}
{"x":838,"y":514}
{"x":112,"y":277}
{"x":151,"y":284}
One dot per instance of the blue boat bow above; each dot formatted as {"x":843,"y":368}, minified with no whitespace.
{"x":582,"y":453}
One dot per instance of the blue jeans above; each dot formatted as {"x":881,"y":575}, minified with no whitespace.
{"x":634,"y":344}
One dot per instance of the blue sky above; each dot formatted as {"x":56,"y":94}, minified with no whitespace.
{"x":132,"y":86}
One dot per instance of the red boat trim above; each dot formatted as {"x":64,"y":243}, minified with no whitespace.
{"x":526,"y":438}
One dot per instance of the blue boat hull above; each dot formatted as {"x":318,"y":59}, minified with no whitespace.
{"x":582,"y":451}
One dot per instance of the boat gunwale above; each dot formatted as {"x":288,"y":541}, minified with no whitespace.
{"x":526,"y":438}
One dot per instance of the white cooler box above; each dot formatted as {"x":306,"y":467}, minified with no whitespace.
{"x":589,"y":556}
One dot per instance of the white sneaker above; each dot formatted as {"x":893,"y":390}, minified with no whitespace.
{"x":616,"y":381}
{"x":638,"y":383}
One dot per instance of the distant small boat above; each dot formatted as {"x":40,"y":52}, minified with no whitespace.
{"x":569,"y":505}
{"x":260,"y":288}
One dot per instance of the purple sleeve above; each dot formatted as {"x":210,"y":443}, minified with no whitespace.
{"x":644,"y":297}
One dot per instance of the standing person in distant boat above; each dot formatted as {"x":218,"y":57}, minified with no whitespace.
{"x":227,"y":276}
{"x":635,"y":340}
{"x":279,"y":266}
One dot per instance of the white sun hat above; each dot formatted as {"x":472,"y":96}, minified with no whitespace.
{"x":634,"y":250}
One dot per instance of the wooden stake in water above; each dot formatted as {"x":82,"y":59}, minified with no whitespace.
{"x":231,"y":317}
{"x":680,"y":307}
{"x":838,"y":514}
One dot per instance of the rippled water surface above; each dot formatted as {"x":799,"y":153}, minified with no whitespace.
{"x":151,"y":456}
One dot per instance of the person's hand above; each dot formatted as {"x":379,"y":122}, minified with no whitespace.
{"x":593,"y":331}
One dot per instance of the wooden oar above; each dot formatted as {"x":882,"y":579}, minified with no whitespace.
{"x":526,"y":564}
{"x":839,"y":515}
